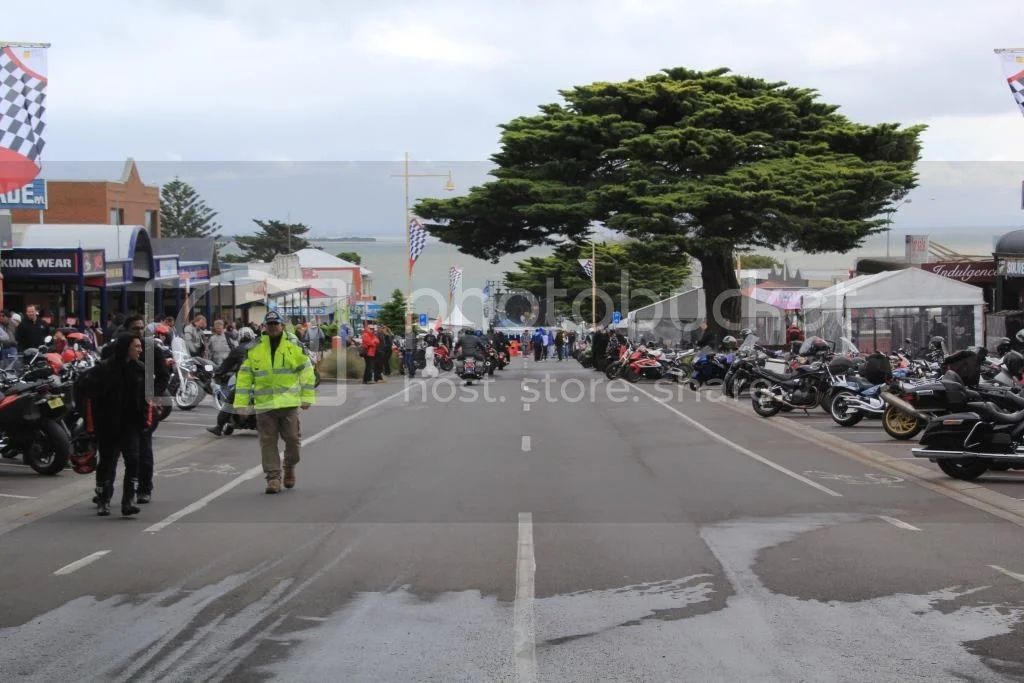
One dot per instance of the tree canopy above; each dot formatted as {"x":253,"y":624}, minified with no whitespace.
{"x":350,"y":256}
{"x":716,"y":160}
{"x":183,"y":213}
{"x":757,"y":261}
{"x":650,"y":272}
{"x":392,"y":312}
{"x":273,"y":238}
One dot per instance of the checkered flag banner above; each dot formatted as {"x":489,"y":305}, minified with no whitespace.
{"x":23,"y":101}
{"x":454,"y":276}
{"x":417,"y":240}
{"x":1013,"y":69}
{"x":588,"y":267}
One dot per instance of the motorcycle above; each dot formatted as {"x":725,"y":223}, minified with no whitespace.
{"x":967,"y":444}
{"x":222,"y":391}
{"x":32,"y":413}
{"x":855,"y":398}
{"x":710,"y":368}
{"x":471,"y":369}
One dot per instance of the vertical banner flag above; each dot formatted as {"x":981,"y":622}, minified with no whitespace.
{"x":588,"y":267}
{"x":22,"y":114}
{"x":1013,"y":70}
{"x":417,"y":240}
{"x":454,"y":277}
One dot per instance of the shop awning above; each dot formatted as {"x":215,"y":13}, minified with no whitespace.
{"x":130,"y":243}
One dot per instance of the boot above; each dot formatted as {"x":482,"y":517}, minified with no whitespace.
{"x":274,"y":484}
{"x":289,"y":477}
{"x":104,"y":492}
{"x":216,"y":431}
{"x":128,"y":507}
{"x":145,"y":495}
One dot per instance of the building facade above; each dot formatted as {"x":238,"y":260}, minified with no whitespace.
{"x":127,"y":201}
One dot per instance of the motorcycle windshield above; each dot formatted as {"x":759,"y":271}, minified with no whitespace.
{"x":847,"y":347}
{"x":748,"y":344}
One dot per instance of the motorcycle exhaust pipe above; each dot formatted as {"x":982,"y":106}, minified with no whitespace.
{"x":902,"y":406}
{"x":925,"y":453}
{"x":863,"y":407}
{"x":762,"y":393}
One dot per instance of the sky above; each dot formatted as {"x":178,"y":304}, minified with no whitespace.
{"x":303,"y":109}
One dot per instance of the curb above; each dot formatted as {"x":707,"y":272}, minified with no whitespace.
{"x":968,"y":493}
{"x":80,"y":488}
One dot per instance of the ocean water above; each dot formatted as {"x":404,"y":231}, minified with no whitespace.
{"x":387,"y":258}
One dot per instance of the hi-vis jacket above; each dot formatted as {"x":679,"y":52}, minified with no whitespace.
{"x":286,"y":382}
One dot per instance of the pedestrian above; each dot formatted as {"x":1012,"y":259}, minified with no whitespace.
{"x":559,"y":344}
{"x":117,"y":394}
{"x":32,"y":331}
{"x":370,"y":344}
{"x":409,"y":352}
{"x":275,"y":380}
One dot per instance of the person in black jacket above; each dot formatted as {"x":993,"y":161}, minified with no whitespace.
{"x":117,"y":392}
{"x":32,"y":332}
{"x":246,"y":340}
{"x":158,"y":376}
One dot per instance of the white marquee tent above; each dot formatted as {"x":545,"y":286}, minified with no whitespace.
{"x":878,"y":311}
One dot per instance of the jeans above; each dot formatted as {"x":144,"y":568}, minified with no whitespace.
{"x":409,"y":358}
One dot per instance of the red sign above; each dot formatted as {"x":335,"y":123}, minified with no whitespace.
{"x":974,"y":272}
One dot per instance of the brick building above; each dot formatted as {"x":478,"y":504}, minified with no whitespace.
{"x":124,"y":202}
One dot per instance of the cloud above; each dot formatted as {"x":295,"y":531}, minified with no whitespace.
{"x":420,"y":42}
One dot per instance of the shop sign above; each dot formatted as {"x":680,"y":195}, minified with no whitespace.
{"x":917,"y":248}
{"x":299,"y":310}
{"x":167,"y":267}
{"x":31,"y":196}
{"x":194,"y":272}
{"x":1010,"y":267}
{"x":973,"y":272}
{"x":40,"y":262}
{"x":94,"y":262}
{"x":115,"y":273}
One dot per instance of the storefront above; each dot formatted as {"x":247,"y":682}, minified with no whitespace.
{"x":167,"y":286}
{"x":1009,"y":264}
{"x":60,"y":281}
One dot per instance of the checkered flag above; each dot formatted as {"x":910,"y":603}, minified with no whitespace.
{"x":588,"y":267}
{"x":1017,"y":89}
{"x":22,"y":107}
{"x":454,"y":276}
{"x":1013,"y":69}
{"x":417,"y":240}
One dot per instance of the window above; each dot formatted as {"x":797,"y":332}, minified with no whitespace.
{"x":117,"y":216}
{"x":150,"y":221}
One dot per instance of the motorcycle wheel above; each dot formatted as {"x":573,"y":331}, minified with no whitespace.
{"x":964,"y":469}
{"x":316,"y":382}
{"x":767,"y":409}
{"x":189,"y":396}
{"x":900,"y":426}
{"x":631,"y":375}
{"x":51,"y":454}
{"x":447,"y":364}
{"x":611,"y":371}
{"x":839,"y":412}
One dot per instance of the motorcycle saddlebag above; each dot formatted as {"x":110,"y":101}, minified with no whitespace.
{"x":947,"y":432}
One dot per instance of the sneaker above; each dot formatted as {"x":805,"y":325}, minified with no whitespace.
{"x":289,"y":477}
{"x":273,"y":486}
{"x":143,"y":498}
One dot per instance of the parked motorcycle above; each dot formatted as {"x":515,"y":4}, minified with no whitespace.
{"x":32,"y":414}
{"x":967,"y":444}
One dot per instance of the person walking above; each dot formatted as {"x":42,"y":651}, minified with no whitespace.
{"x":276,"y":380}
{"x":117,"y":392}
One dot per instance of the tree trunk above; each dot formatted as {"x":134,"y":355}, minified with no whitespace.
{"x":721,"y":293}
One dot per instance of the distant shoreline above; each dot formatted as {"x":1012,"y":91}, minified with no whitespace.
{"x":342,"y":239}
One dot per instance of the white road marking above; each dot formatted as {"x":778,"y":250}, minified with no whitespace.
{"x":167,"y":436}
{"x":526,"y":407}
{"x":258,"y":469}
{"x":524,"y":627}
{"x":736,"y":447}
{"x":78,"y":564}
{"x":899,"y":524}
{"x":11,"y":495}
{"x":526,"y":444}
{"x":317,"y":619}
{"x":184,"y":424}
{"x":1012,"y":575}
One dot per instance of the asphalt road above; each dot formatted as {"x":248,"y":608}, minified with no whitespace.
{"x":545,"y":526}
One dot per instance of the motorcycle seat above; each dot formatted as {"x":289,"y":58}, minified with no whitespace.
{"x":1008,"y":396}
{"x":991,"y":412}
{"x":774,"y":376}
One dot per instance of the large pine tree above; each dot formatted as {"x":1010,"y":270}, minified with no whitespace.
{"x":183,"y":213}
{"x":274,"y":237}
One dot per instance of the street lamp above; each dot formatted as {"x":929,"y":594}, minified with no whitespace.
{"x":449,"y":186}
{"x":888,"y":222}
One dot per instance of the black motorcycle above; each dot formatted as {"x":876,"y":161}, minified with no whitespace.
{"x":802,"y":390}
{"x":984,"y":437}
{"x":32,"y":413}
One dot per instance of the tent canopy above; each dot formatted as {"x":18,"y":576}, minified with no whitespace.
{"x":910,"y":287}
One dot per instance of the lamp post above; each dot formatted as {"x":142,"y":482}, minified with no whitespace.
{"x":888,"y":223}
{"x":449,"y":186}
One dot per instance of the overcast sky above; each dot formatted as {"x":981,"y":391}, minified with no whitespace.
{"x":255,"y":88}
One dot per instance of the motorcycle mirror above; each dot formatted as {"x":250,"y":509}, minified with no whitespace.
{"x":48,"y":339}
{"x":908,"y":341}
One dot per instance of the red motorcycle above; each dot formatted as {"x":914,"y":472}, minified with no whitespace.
{"x":443,"y":359}
{"x":31,"y":417}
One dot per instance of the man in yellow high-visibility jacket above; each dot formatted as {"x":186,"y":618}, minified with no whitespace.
{"x":275,"y":380}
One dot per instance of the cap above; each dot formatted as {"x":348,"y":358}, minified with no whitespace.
{"x":272,"y":317}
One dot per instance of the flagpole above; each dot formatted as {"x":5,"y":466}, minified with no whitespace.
{"x":593,"y":283}
{"x":408,"y":251}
